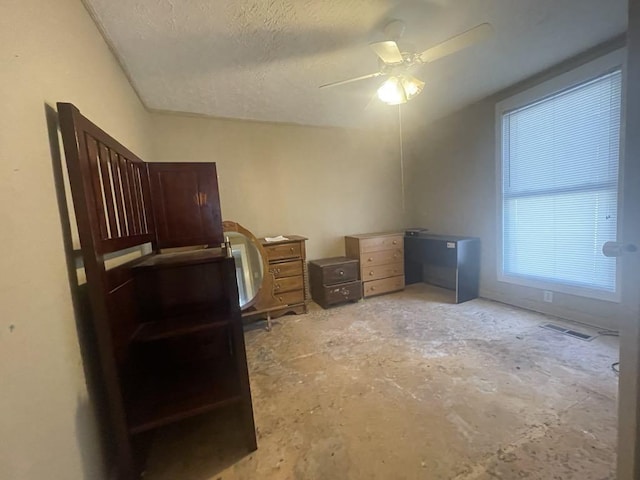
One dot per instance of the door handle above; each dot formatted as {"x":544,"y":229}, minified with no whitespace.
{"x":616,"y":249}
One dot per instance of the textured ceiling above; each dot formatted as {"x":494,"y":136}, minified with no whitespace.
{"x":264,"y":59}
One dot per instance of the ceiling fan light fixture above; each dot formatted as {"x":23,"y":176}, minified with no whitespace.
{"x":400,"y":86}
{"x":412,"y":86}
{"x":392,"y":92}
{"x":399,"y":89}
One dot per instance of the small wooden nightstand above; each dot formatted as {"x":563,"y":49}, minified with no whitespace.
{"x":334,"y":280}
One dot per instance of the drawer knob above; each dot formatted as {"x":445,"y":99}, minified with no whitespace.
{"x":373,"y":288}
{"x":341,"y":272}
{"x":277,"y":286}
{"x":280,"y":299}
{"x":371,"y":273}
{"x":291,"y":249}
{"x":370,"y":259}
{"x":395,"y":242}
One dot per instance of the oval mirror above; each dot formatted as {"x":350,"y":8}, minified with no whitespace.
{"x":249,"y":262}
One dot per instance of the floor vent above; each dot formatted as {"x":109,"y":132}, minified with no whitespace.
{"x":566,"y":331}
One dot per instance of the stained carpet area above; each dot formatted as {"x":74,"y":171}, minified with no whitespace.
{"x":411,"y":386}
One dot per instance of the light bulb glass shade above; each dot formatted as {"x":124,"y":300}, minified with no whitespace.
{"x":391,"y":92}
{"x":412,"y":86}
{"x":399,"y":89}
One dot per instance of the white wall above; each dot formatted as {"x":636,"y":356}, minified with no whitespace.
{"x":50,"y":51}
{"x":322,"y":183}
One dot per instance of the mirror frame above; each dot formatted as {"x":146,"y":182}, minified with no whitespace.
{"x":265,"y":291}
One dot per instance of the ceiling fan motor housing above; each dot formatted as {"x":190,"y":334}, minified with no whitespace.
{"x":394,"y":30}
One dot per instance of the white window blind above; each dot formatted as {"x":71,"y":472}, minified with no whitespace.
{"x":560,"y":158}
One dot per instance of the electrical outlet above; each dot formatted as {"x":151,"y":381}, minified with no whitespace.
{"x":547,"y":296}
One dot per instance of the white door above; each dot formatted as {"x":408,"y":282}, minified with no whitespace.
{"x":629,"y":402}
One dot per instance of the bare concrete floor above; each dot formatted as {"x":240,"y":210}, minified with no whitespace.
{"x":410,"y":386}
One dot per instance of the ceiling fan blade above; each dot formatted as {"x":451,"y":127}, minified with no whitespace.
{"x":459,"y":42}
{"x":387,"y":51}
{"x":356,"y":79}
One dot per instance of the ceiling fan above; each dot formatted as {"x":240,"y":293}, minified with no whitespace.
{"x":401,"y":86}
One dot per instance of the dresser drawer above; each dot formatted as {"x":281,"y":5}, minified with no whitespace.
{"x":334,"y":294}
{"x":382,"y":271}
{"x":286,"y":269}
{"x":283,"y":250}
{"x":289,"y":298}
{"x":382,"y":257}
{"x":286,"y":284}
{"x":377,"y":287}
{"x":376,"y":244}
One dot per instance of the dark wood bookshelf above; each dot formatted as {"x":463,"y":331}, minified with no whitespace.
{"x":166,"y":328}
{"x":180,"y":324}
{"x":169,"y":396}
{"x":181,"y":259}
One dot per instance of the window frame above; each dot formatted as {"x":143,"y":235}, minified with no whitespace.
{"x":575,"y":77}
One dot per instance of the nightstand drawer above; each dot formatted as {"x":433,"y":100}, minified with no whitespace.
{"x":330,"y":271}
{"x":340,"y":273}
{"x":328,"y":295}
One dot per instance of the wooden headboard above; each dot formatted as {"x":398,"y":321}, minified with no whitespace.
{"x":163,"y":323}
{"x":111,"y":198}
{"x":113,"y":183}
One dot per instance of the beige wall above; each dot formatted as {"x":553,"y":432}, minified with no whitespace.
{"x":274,"y":179}
{"x":451,"y":165}
{"x":49,"y":51}
{"x":319,"y":182}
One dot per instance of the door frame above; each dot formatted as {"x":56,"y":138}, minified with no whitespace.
{"x":629,"y":321}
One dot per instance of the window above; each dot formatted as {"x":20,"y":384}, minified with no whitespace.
{"x":560,"y":152}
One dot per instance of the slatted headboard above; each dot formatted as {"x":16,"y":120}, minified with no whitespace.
{"x":115,"y":184}
{"x":111,"y":198}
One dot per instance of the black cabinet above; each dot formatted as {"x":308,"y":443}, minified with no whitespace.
{"x":445,"y":260}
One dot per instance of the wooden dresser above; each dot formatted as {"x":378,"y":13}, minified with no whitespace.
{"x":287,"y":263}
{"x":381,"y":258}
